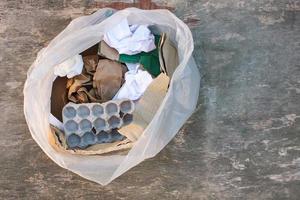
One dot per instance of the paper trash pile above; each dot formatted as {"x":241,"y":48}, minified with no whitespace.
{"x":103,"y":98}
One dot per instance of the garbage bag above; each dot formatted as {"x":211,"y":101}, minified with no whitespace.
{"x":84,"y":32}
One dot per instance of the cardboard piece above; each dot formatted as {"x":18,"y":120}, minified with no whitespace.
{"x":168,"y":55}
{"x":146,"y":107}
{"x":59,"y":97}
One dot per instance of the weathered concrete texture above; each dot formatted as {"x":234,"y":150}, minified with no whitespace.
{"x":243,"y":142}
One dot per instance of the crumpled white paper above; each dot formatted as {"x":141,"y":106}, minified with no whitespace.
{"x":136,"y":83}
{"x":70,"y":67}
{"x":130,"y":40}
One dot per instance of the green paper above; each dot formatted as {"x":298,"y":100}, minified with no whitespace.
{"x":149,"y":60}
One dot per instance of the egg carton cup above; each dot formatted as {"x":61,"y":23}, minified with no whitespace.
{"x":78,"y":119}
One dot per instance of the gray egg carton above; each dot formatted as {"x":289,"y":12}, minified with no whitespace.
{"x":82,"y":120}
{"x":90,"y":138}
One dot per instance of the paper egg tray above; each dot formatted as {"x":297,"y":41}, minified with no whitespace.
{"x":82,"y":122}
{"x":90,"y":138}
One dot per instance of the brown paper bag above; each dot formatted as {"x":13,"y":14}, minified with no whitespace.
{"x":90,"y":63}
{"x":75,"y":84}
{"x":108,"y":79}
{"x":108,"y":52}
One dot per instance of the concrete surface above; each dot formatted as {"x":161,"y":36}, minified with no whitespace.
{"x":243,"y":142}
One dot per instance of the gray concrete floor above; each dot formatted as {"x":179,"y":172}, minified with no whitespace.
{"x":243,"y":142}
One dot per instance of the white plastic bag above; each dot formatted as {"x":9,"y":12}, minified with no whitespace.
{"x":83,"y":33}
